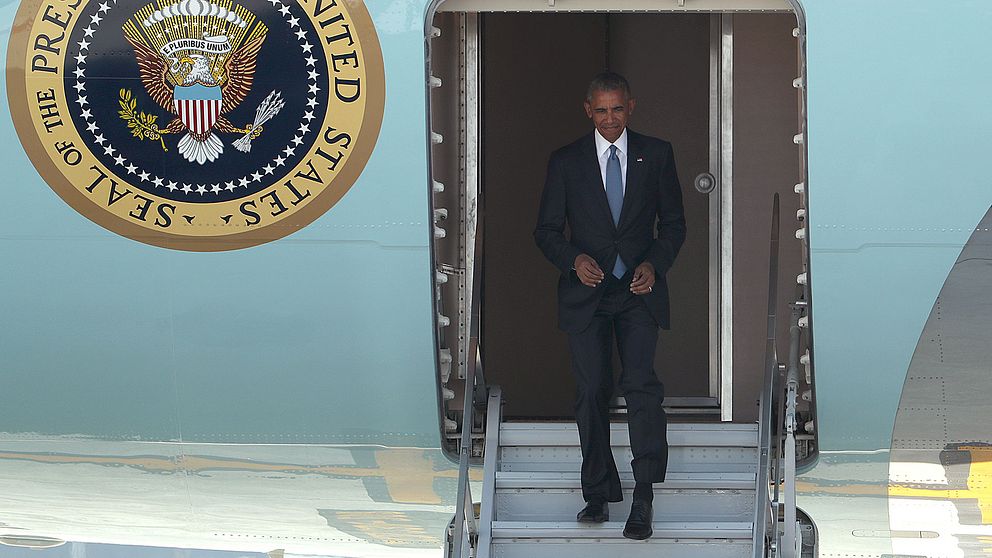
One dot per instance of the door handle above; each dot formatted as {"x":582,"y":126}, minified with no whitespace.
{"x":705,"y":183}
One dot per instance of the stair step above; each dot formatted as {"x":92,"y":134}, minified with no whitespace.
{"x":688,"y":435}
{"x":674,"y":480}
{"x":672,"y":425}
{"x":685,"y":506}
{"x":614,"y":530}
{"x":651,"y":548}
{"x":680,"y":459}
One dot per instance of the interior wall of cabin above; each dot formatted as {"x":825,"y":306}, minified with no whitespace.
{"x":535,"y":69}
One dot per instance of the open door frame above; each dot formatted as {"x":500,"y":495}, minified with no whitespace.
{"x":721,"y":213}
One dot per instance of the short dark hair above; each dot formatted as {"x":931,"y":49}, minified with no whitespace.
{"x":608,"y":81}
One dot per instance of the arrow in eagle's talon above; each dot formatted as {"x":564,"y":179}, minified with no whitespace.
{"x":267,"y":109}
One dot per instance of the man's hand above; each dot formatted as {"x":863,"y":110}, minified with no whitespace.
{"x":588,"y":270}
{"x":643,"y":281}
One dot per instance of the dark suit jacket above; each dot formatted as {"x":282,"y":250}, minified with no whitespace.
{"x":574,"y":195}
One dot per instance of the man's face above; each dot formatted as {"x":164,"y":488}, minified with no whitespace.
{"x":609,"y":111}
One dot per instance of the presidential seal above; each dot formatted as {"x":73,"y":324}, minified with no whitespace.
{"x":199,"y":125}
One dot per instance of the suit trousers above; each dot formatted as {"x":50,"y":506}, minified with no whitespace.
{"x":624,"y":314}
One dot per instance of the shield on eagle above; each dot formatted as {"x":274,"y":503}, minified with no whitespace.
{"x":198,"y":106}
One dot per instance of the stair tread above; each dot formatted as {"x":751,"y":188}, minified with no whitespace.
{"x":686,"y":435}
{"x":680,"y":475}
{"x":614,"y":529}
{"x":683,"y":508}
{"x":672,"y":426}
{"x":534,"y":466}
{"x":674,"y":481}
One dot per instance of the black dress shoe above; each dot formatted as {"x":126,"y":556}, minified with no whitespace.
{"x":638,"y":525}
{"x":594,"y":512}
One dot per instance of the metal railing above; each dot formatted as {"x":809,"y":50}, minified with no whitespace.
{"x":465,"y":525}
{"x":465,"y":535}
{"x":776,"y":477}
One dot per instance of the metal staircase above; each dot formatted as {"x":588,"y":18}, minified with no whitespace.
{"x":704,"y":509}
{"x":729,"y":493}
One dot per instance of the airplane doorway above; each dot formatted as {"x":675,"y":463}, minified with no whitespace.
{"x":666,"y":59}
{"x":720,"y":88}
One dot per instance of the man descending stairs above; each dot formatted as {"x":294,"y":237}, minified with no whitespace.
{"x":532,"y":492}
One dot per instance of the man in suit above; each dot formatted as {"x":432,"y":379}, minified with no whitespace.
{"x":610,"y":187}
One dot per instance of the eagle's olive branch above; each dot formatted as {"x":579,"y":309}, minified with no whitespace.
{"x":142,"y":125}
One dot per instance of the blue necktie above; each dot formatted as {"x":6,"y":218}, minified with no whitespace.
{"x":614,"y":194}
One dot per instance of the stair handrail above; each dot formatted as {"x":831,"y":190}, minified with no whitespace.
{"x":466,"y":526}
{"x":464,"y":521}
{"x":487,"y":513}
{"x":765,"y":510}
{"x":790,"y":537}
{"x":775,"y":483}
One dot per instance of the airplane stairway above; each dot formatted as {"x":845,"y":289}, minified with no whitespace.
{"x":531,"y":494}
{"x":730,"y":490}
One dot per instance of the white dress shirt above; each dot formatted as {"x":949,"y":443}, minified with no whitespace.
{"x":603,"y":150}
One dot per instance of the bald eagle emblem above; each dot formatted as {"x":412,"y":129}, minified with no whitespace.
{"x":197,"y":61}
